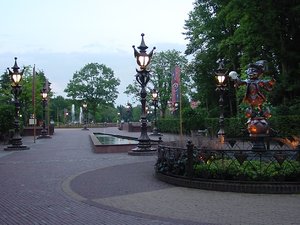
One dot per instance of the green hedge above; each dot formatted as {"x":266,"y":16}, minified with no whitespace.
{"x":284,"y":125}
{"x":168,"y":125}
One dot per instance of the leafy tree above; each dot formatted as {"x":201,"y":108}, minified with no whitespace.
{"x":94,"y":83}
{"x":108,"y":113}
{"x":57,"y":106}
{"x":134,"y":89}
{"x":6,"y":96}
{"x":163,"y":65}
{"x":26,"y":97}
{"x":205,"y":31}
{"x":6,"y":108}
{"x":242,"y":32}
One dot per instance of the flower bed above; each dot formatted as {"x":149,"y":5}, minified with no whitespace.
{"x":276,"y":167}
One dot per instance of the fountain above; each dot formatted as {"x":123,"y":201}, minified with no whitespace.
{"x":73,"y":113}
{"x":80,"y":115}
{"x":109,"y":143}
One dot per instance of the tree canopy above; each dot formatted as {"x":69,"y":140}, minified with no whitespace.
{"x":242,"y":32}
{"x":25,"y":98}
{"x":95,"y":83}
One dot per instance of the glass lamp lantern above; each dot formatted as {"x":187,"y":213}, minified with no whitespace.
{"x":220,"y":78}
{"x":44,"y":95}
{"x":142,"y":58}
{"x":15,"y":75}
{"x":154,"y":94}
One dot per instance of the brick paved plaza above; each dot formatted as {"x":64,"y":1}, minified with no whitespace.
{"x":61,"y":181}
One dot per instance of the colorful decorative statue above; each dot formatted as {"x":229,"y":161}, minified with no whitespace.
{"x":254,"y":97}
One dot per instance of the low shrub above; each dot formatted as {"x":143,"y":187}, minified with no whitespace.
{"x":253,"y":170}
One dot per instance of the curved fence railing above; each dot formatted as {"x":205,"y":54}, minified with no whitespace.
{"x":233,"y":160}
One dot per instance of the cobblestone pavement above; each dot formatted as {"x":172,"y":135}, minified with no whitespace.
{"x":61,"y":181}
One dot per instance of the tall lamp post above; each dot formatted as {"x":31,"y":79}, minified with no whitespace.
{"x":142,"y":77}
{"x":44,"y":94}
{"x":220,"y":75}
{"x":16,"y":77}
{"x":84,"y":106}
{"x":155,"y":104}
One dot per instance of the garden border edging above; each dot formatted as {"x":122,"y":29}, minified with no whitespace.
{"x":232,"y":186}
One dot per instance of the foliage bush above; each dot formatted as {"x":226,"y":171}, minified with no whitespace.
{"x":249,"y":171}
{"x":229,"y":168}
{"x":168,"y":125}
{"x":194,"y":119}
{"x":6,"y":120}
{"x":233,"y":126}
{"x":285,"y":125}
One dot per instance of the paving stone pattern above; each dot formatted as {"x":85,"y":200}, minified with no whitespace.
{"x":61,"y":181}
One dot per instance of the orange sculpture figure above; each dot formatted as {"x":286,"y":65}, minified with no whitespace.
{"x":254,"y":97}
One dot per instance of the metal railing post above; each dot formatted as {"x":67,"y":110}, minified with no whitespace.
{"x":190,"y":159}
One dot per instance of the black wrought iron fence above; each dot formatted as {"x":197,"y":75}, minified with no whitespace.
{"x":232,"y":160}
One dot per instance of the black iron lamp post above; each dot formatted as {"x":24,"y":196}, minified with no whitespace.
{"x":119,"y":122}
{"x":142,"y":77}
{"x":16,"y":77}
{"x":155,"y":104}
{"x":44,"y":94}
{"x":129,"y":111}
{"x":220,"y":75}
{"x":84,"y":106}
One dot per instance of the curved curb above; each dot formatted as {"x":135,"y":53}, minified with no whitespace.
{"x":232,"y":186}
{"x":66,"y":187}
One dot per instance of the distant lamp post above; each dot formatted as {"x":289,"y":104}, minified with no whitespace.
{"x":142,"y":77}
{"x":220,"y":75}
{"x":155,"y":104}
{"x":129,"y":112}
{"x":173,"y":107}
{"x":119,"y":120}
{"x":44,"y":94}
{"x":85,"y":114}
{"x":16,"y":77}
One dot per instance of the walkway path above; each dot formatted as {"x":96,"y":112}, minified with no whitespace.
{"x":61,"y":181}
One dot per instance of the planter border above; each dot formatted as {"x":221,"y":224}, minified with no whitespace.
{"x":232,"y":186}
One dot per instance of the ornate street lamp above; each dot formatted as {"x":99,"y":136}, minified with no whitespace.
{"x":85,"y":114}
{"x":221,"y":75}
{"x":44,"y":94}
{"x":142,"y":77}
{"x":155,"y":104}
{"x":16,"y":78}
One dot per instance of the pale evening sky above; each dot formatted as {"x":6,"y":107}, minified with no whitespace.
{"x":61,"y":36}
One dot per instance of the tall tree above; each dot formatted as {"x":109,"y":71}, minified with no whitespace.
{"x":94,"y":83}
{"x":204,"y":32}
{"x":6,"y":107}
{"x":162,"y":66}
{"x":245,"y":31}
{"x":58,"y":105}
{"x":25,"y":98}
{"x":26,"y":95}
